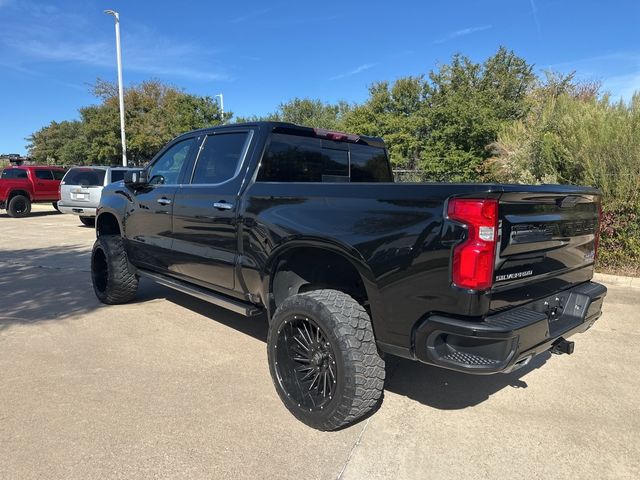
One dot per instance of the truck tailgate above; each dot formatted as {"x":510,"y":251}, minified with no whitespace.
{"x":547,"y":243}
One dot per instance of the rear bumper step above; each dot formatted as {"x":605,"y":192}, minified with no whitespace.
{"x":508,"y":340}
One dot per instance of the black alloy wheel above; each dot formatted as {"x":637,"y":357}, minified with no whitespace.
{"x":305,"y":363}
{"x":323,"y":359}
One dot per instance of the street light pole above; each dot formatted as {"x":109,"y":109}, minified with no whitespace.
{"x":221,"y":105}
{"x":116,"y":15}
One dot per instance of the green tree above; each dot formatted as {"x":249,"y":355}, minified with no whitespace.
{"x":306,"y":111}
{"x":392,"y":112}
{"x":154,"y":114}
{"x":466,"y":105}
{"x":444,"y":123}
{"x":58,"y":143}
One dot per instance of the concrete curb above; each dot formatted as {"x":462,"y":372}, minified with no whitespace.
{"x":618,"y":280}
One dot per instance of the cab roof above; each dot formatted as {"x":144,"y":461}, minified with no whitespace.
{"x":287,"y":127}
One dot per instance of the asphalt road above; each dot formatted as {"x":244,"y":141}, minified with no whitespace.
{"x":171,"y":387}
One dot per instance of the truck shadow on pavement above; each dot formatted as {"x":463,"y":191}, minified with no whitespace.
{"x":448,"y":390}
{"x":44,"y":284}
{"x":54,"y":283}
{"x":431,"y":386}
{"x":39,"y":213}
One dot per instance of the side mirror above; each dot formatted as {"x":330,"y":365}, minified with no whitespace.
{"x":135,"y":177}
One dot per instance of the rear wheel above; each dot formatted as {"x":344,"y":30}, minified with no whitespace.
{"x":55,"y":205}
{"x":88,"y":221}
{"x":114,"y":280}
{"x":19,"y":206}
{"x":324,"y":360}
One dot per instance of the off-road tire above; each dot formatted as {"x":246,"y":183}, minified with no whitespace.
{"x":88,"y":221}
{"x":19,"y":206}
{"x":360,"y":369}
{"x":114,"y":279}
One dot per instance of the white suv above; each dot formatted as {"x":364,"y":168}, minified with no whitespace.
{"x":81,"y":189}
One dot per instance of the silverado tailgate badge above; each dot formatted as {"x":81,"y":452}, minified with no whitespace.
{"x":512,"y":276}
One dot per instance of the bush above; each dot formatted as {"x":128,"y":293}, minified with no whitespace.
{"x":619,"y":250}
{"x":574,"y":135}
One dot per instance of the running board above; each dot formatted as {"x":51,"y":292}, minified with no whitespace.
{"x":237,"y":306}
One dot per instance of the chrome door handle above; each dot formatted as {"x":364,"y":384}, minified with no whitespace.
{"x":164,"y":201}
{"x":222,"y":206}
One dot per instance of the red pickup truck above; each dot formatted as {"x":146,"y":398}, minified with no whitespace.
{"x":24,"y":185}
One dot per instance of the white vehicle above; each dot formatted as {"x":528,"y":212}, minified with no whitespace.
{"x":81,"y":190}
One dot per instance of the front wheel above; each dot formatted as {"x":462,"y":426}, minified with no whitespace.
{"x":114,"y":280}
{"x":323,"y":359}
{"x":55,"y":205}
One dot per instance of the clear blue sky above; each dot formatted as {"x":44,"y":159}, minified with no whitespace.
{"x":261,"y":53}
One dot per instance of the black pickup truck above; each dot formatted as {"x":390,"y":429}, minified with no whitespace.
{"x":307,"y":225}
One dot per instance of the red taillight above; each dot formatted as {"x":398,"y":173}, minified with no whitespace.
{"x":473,"y":259}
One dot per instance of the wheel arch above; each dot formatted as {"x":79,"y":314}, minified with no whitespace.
{"x":19,"y":191}
{"x":286,"y":269}
{"x":107,"y":223}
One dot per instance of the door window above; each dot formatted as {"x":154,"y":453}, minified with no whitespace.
{"x":44,"y":175}
{"x":220,"y":158}
{"x":14,"y":173}
{"x":166,"y":170}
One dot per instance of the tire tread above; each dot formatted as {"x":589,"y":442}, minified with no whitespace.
{"x":364,"y":367}
{"x":122,"y":283}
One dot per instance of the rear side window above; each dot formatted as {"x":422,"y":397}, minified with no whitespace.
{"x":117,"y":175}
{"x":219,"y":158}
{"x":44,"y":174}
{"x":58,"y":174}
{"x":369,"y":164}
{"x":291,"y":158}
{"x":14,"y":173}
{"x":85,"y":177}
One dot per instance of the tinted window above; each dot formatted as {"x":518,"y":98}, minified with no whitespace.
{"x":369,"y":164}
{"x":219,"y":158}
{"x":58,"y":174}
{"x":86,"y":177}
{"x":44,"y":174}
{"x":292,"y":158}
{"x":14,"y":173}
{"x":166,"y":170}
{"x":117,"y":175}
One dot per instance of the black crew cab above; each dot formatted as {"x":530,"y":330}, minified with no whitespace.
{"x":307,"y":225}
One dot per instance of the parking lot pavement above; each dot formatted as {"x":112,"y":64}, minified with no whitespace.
{"x":171,"y":387}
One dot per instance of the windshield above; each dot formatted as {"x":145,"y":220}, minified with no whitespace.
{"x":85,"y":177}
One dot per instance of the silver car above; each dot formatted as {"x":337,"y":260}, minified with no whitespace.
{"x":81,"y":189}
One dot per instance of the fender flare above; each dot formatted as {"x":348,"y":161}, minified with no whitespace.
{"x":347,"y":252}
{"x":115,"y":205}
